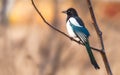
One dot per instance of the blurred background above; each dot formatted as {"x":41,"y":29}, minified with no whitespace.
{"x":29,"y":47}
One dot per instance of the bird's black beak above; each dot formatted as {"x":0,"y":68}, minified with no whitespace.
{"x":65,"y":12}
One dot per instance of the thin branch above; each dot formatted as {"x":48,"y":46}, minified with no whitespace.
{"x":3,"y":16}
{"x":99,"y":33}
{"x":98,"y":50}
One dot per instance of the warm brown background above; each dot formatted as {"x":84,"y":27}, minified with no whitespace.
{"x":29,"y":47}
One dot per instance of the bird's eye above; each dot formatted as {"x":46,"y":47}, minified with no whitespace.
{"x":69,"y":12}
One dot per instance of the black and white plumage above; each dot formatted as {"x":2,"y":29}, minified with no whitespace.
{"x":76,"y":29}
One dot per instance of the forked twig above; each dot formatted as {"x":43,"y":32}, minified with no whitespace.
{"x":99,"y":33}
{"x":51,"y":26}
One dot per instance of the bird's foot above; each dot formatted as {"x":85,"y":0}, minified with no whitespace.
{"x":81,"y":42}
{"x":71,"y":38}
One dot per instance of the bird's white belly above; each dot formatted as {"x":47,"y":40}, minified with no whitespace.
{"x":70,"y":31}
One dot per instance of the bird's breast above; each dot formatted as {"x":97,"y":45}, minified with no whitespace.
{"x":70,"y":30}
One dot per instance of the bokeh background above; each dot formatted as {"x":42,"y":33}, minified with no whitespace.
{"x":29,"y":47}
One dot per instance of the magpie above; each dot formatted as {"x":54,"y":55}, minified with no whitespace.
{"x":77,"y":29}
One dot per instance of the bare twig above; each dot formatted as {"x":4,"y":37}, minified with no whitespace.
{"x":99,"y":33}
{"x":3,"y":17}
{"x":98,"y":50}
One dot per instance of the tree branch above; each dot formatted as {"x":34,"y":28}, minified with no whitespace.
{"x":3,"y":16}
{"x":98,"y":50}
{"x":99,"y":33}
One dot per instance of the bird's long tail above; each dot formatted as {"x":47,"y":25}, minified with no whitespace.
{"x":92,"y":58}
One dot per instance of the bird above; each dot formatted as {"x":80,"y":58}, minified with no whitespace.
{"x":77,"y":29}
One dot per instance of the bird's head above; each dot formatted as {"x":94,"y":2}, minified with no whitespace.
{"x":71,"y":12}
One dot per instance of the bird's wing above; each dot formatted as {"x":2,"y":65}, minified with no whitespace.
{"x":82,"y":37}
{"x":81,"y":32}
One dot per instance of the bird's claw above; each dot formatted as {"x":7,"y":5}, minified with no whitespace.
{"x":71,"y":38}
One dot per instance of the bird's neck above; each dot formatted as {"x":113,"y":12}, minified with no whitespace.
{"x":68,"y":17}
